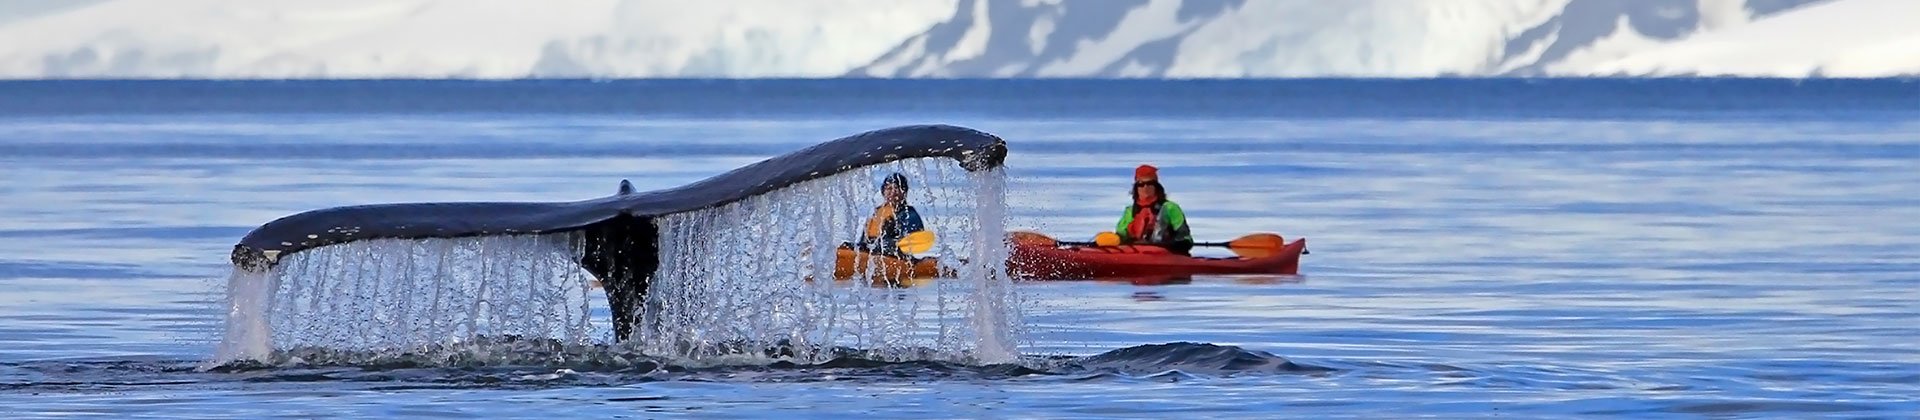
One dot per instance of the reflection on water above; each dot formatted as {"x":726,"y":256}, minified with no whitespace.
{"x":1148,"y":296}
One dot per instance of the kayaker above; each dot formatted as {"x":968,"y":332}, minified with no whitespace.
{"x":892,"y":220}
{"x":1152,"y":219}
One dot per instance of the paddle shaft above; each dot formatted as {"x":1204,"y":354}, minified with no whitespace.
{"x":1072,"y":243}
{"x":1218,"y":244}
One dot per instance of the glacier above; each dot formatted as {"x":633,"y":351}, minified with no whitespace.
{"x":482,"y":39}
{"x":1855,"y":39}
{"x":504,"y":39}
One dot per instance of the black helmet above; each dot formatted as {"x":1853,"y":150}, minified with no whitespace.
{"x":897,"y":180}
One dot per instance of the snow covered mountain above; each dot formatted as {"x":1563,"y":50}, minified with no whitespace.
{"x":1307,"y":38}
{"x":955,"y":38}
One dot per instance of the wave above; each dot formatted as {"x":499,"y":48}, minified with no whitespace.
{"x":508,"y":362}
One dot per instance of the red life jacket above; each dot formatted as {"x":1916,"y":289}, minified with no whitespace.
{"x":1145,"y":219}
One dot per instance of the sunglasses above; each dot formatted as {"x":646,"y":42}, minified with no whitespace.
{"x":1142,"y":184}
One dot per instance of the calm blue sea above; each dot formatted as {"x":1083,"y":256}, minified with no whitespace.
{"x":1480,"y":248}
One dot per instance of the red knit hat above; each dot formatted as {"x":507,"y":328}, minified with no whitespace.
{"x":1146,"y":173}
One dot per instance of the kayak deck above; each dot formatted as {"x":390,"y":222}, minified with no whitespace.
{"x":882,"y":269}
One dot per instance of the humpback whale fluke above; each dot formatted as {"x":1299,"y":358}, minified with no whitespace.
{"x":620,"y":231}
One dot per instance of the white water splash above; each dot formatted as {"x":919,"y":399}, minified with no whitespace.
{"x":394,"y":295}
{"x":749,"y":278}
{"x":996,"y":316}
{"x":248,"y":337}
{"x":753,"y":274}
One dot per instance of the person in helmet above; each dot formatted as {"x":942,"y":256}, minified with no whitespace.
{"x":1152,"y":219}
{"x":892,"y":220}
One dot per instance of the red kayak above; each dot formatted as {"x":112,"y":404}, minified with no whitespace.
{"x":1036,"y":257}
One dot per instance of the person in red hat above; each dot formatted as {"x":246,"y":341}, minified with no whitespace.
{"x":1152,"y":219}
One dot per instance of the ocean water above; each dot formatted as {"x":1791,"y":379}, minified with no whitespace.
{"x":1480,"y":248}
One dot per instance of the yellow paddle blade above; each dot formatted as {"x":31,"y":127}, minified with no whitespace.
{"x":916,"y":242}
{"x":1258,"y":245}
{"x":1106,"y":239}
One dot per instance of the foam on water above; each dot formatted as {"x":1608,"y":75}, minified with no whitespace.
{"x":746,"y":279}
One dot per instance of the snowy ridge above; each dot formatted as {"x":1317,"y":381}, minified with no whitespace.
{"x":453,"y":38}
{"x":491,"y":39}
{"x":1887,"y":44}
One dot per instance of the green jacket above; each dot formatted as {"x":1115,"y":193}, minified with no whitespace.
{"x":1172,"y":228}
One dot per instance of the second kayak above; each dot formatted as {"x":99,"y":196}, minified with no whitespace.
{"x":1045,"y":260}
